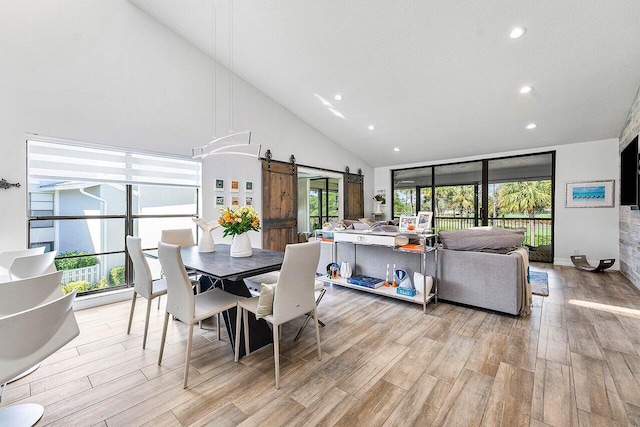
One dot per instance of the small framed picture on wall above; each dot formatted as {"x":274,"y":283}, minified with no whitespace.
{"x":219,"y":184}
{"x":248,"y":186}
{"x":235,"y":186}
{"x":235,"y":201}
{"x":249,"y":201}
{"x":219,"y":201}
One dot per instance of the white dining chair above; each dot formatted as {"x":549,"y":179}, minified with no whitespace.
{"x":293,"y":297}
{"x":143,"y":283}
{"x":182,"y":237}
{"x":6,"y":258}
{"x":28,"y":337}
{"x":185,"y":306}
{"x":271,"y":278}
{"x":32,"y":265}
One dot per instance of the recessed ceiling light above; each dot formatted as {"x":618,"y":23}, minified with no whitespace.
{"x":396,"y":149}
{"x":532,"y":126}
{"x":526,"y":89}
{"x":371,"y":127}
{"x":517,"y":32}
{"x":338,"y":97}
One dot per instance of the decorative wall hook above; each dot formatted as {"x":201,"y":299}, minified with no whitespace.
{"x":6,"y":185}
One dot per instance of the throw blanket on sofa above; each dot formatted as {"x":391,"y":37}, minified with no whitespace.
{"x":526,"y":300}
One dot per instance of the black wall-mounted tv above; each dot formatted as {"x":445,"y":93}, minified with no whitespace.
{"x":630,"y":175}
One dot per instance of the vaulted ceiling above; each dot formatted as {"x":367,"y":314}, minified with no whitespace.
{"x":437,"y":79}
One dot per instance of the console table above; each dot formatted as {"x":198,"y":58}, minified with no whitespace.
{"x":370,"y":252}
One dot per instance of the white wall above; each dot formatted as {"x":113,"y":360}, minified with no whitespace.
{"x":589,"y":231}
{"x":105,"y":72}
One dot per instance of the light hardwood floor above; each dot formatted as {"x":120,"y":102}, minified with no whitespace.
{"x":574,"y":361}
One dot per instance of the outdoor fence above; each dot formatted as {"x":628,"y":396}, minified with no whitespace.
{"x":85,"y":274}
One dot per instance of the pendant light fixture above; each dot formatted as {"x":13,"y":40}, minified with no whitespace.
{"x":234,"y":142}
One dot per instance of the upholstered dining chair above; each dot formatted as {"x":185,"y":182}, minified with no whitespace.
{"x":185,"y":306}
{"x":6,"y":258}
{"x":293,"y":297}
{"x":32,"y":265}
{"x":143,"y":283}
{"x":182,"y":237}
{"x":271,"y":278}
{"x":28,"y":338}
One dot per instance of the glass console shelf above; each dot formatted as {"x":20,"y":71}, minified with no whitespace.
{"x":373,"y":261}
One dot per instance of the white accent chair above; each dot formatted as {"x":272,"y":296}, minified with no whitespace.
{"x":32,"y":265}
{"x":185,"y":306}
{"x":21,"y":295}
{"x":143,"y":283}
{"x":293,"y":297}
{"x":28,"y":338}
{"x":254,"y":282}
{"x":6,"y":258}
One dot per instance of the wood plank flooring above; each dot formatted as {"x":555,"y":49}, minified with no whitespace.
{"x":574,"y":361}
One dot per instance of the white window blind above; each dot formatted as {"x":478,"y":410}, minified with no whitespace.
{"x":71,"y":161}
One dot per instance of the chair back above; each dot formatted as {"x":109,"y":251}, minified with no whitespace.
{"x":30,"y":336}
{"x":180,"y":300}
{"x":32,"y":265}
{"x":295,"y":292}
{"x":6,"y":258}
{"x":142,"y":280}
{"x":20,"y":295}
{"x":182,"y":237}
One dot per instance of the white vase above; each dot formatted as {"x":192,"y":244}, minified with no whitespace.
{"x":240,"y":246}
{"x":206,"y":241}
{"x":345,"y":270}
{"x":377,"y":207}
{"x":419,"y":283}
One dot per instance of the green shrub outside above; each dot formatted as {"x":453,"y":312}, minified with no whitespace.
{"x":116,"y":275}
{"x":71,"y":263}
{"x":84,"y":286}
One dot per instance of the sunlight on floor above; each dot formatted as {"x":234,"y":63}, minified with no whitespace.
{"x":622,"y":311}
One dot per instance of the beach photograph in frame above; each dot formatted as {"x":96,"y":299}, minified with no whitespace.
{"x":590,"y":194}
{"x":408,"y":223}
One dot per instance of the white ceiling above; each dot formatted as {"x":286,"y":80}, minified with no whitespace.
{"x":439,"y":79}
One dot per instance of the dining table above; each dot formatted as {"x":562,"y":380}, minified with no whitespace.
{"x":221,"y":270}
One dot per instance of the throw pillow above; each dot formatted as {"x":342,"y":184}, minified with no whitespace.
{"x":265,"y":300}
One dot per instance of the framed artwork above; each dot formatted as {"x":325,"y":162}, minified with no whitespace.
{"x":249,"y":201}
{"x":235,"y":201}
{"x":383,"y":193}
{"x":219,"y":200}
{"x":219,"y":184}
{"x":248,"y":186}
{"x":424,"y":220}
{"x":235,"y":186}
{"x":590,"y":194}
{"x":407,"y":223}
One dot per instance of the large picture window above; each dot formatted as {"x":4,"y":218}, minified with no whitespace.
{"x":83,"y":201}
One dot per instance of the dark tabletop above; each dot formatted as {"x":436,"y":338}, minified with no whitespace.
{"x":220,"y":265}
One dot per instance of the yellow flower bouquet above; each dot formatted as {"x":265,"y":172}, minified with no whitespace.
{"x":239,"y":221}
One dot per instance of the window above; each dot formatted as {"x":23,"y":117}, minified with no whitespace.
{"x":84,"y":200}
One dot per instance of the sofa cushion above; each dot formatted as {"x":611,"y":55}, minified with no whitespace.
{"x":482,"y":239}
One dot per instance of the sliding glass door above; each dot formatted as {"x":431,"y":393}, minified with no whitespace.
{"x":510,"y":192}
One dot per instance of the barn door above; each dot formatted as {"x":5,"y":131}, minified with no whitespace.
{"x":353,"y":196}
{"x":279,"y":204}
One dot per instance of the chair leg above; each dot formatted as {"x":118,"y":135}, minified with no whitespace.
{"x":133,"y":306}
{"x":164,"y":336}
{"x":245,"y":321}
{"x":218,"y":324}
{"x":236,"y":345}
{"x":146,"y":325}
{"x":159,"y":302}
{"x":188,"y":358}
{"x":306,"y":320}
{"x":276,"y":353}
{"x":315,"y":316}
